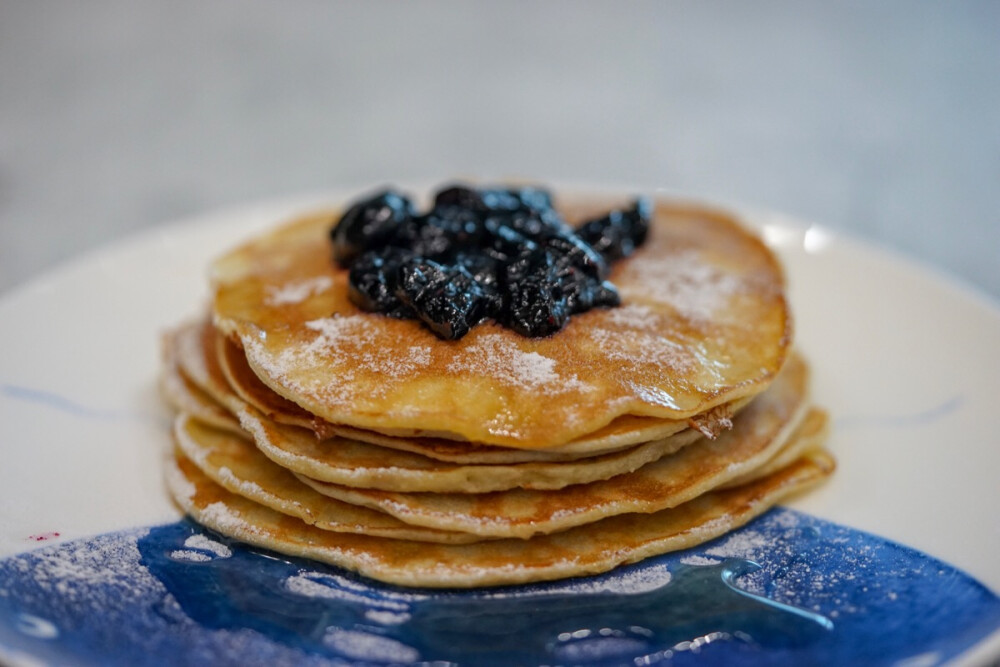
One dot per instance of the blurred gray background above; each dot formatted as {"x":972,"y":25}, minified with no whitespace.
{"x":881,"y":119}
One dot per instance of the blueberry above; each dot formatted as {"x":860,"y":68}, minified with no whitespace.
{"x":536,"y":199}
{"x":447,"y":299}
{"x":483,"y":270}
{"x":369,"y":224}
{"x":460,"y":196}
{"x":373,"y":281}
{"x":569,"y":249}
{"x":617,"y":234}
{"x":502,"y":242}
{"x":501,"y":253}
{"x":534,"y":306}
{"x":604,"y":295}
{"x":493,"y":200}
{"x":481,"y":266}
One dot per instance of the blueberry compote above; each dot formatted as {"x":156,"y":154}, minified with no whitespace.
{"x":500,"y":253}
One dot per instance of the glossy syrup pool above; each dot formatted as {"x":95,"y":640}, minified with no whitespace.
{"x":785,"y":589}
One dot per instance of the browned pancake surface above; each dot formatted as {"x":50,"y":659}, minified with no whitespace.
{"x":235,"y":464}
{"x":589,"y":549}
{"x":704,"y":322}
{"x":762,"y":431}
{"x":623,"y":431}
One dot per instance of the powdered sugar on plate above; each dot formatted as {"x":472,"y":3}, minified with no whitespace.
{"x":205,"y":543}
{"x":699,"y":561}
{"x":71,"y":570}
{"x":188,"y":555}
{"x":329,"y":586}
{"x":367,"y":646}
{"x":96,"y":601}
{"x":128,"y":598}
{"x":627,"y":581}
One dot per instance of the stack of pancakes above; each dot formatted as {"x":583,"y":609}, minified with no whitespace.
{"x":314,"y":429}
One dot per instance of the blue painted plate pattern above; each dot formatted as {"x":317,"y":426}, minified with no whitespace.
{"x":787,"y":588}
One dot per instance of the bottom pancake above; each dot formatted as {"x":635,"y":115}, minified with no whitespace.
{"x":587,"y":549}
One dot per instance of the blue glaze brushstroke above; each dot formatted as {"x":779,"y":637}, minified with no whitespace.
{"x":785,"y":589}
{"x":61,"y":403}
{"x":921,"y":418}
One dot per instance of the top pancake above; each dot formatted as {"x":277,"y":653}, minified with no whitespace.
{"x":703,"y":321}
{"x":234,"y":374}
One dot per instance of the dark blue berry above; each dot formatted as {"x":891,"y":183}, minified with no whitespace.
{"x":620,"y":232}
{"x":447,"y":299}
{"x":374,"y":279}
{"x":370,"y":223}
{"x":534,"y":306}
{"x":500,"y":253}
{"x":494,"y":200}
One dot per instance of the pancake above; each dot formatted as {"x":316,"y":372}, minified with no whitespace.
{"x":759,"y":434}
{"x":247,"y":385}
{"x":362,"y":465}
{"x":236,"y":465}
{"x":622,"y":432}
{"x":589,"y":549}
{"x":370,"y":466}
{"x":354,"y":464}
{"x":705,"y":322}
{"x":188,"y":348}
{"x":242,"y":381}
{"x":359,"y":464}
{"x":186,"y":396}
{"x":812,"y":432}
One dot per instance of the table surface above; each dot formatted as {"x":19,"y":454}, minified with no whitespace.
{"x":881,"y":120}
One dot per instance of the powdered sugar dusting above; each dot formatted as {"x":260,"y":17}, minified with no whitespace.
{"x":296,"y":292}
{"x":633,"y":316}
{"x":390,"y":365}
{"x":699,"y":561}
{"x":346,"y":342}
{"x":336,"y":330}
{"x":207,"y":544}
{"x":142,"y":597}
{"x":219,"y":516}
{"x":644,"y":350}
{"x":98,"y":602}
{"x":190,"y":556}
{"x":245,"y":487}
{"x":500,"y":359}
{"x":742,"y":544}
{"x":306,"y":586}
{"x":387,"y":617}
{"x":73,"y":570}
{"x":333,"y":587}
{"x":629,"y":581}
{"x":687,"y":282}
{"x":369,"y":647}
{"x":750,"y":544}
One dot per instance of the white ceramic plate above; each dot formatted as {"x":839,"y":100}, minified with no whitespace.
{"x":906,"y":361}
